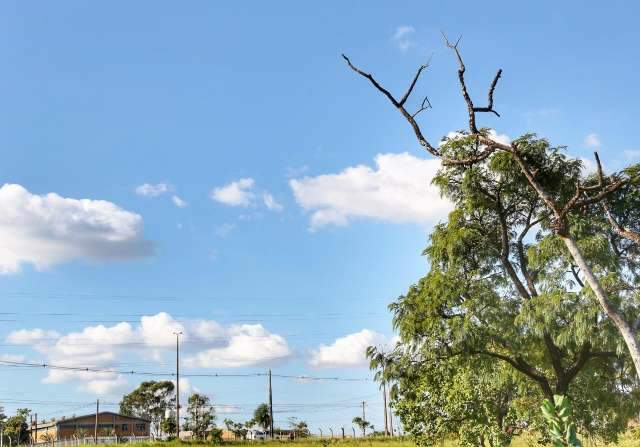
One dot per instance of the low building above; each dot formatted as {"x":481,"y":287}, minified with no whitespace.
{"x":109,"y":424}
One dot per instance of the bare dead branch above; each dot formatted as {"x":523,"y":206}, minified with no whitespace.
{"x":463,"y":85}
{"x":492,"y":88}
{"x":426,"y":104}
{"x":373,"y":81}
{"x":413,"y":83}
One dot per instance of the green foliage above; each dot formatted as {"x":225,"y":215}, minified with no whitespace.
{"x":169,"y":426}
{"x":201,"y":415}
{"x":262,"y":416}
{"x":503,"y":319}
{"x":300,"y":428}
{"x":16,"y":428}
{"x":561,"y":427}
{"x":362,"y":424}
{"x":238,"y":429}
{"x":150,"y":401}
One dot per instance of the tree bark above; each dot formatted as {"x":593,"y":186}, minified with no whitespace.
{"x":625,"y":329}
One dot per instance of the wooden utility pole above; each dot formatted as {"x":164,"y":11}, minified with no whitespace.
{"x":270,"y":406}
{"x":177,"y":334}
{"x":35,"y":439}
{"x":95,"y":426}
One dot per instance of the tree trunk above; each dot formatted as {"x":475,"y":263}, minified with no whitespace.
{"x":625,"y":329}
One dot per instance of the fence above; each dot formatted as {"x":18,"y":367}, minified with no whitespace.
{"x":74,"y":442}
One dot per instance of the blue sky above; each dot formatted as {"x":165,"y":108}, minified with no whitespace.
{"x":304,"y":199}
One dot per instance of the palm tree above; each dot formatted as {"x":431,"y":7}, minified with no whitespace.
{"x":262,"y":416}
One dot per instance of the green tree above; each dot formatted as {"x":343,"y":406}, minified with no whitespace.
{"x":238,"y":429}
{"x":150,"y":400}
{"x":362,"y":424}
{"x":16,"y":426}
{"x":201,"y":415}
{"x":168,"y":426}
{"x":299,"y":428}
{"x":567,"y":202}
{"x":506,"y":282}
{"x":262,"y":416}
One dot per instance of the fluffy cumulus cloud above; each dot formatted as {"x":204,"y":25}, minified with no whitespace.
{"x":247,"y":344}
{"x":348,"y":351}
{"x":237,"y":193}
{"x":398,"y":189}
{"x":153,"y":190}
{"x":45,"y":230}
{"x":242,"y":193}
{"x":205,"y":344}
{"x":402,"y":37}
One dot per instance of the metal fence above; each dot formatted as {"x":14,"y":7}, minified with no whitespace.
{"x":74,"y":442}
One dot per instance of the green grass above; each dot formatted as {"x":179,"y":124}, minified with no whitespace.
{"x":625,"y":441}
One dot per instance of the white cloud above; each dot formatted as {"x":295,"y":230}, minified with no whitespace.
{"x":348,"y":351}
{"x":238,"y":193}
{"x":398,"y":190}
{"x":152,"y":190}
{"x":592,"y":140}
{"x":402,"y":37}
{"x":45,"y":230}
{"x":270,"y":202}
{"x":248,"y":344}
{"x":32,"y":336}
{"x":177,"y":201}
{"x":205,"y":344}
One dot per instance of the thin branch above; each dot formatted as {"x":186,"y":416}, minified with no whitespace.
{"x":413,"y":83}
{"x":463,"y":86}
{"x":423,"y":106}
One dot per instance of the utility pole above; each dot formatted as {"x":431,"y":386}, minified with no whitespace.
{"x":95,"y":426}
{"x":35,"y":440}
{"x":270,"y":405}
{"x":384,"y":398}
{"x":177,"y":334}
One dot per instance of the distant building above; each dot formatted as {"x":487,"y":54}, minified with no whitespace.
{"x":84,"y":426}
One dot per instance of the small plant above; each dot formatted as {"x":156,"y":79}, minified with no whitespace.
{"x":561,"y":428}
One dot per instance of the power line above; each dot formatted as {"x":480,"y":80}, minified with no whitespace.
{"x":172,"y":374}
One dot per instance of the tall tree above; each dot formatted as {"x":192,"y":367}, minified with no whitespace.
{"x":201,"y":415}
{"x":567,"y":204}
{"x":150,"y":400}
{"x":16,"y":427}
{"x":262,"y":416}
{"x":501,"y":286}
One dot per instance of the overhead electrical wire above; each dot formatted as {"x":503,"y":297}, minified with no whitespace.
{"x":172,"y":374}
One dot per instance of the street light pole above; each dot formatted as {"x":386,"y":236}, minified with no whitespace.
{"x":177,"y":334}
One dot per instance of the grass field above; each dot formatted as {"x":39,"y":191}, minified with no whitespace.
{"x":625,"y":441}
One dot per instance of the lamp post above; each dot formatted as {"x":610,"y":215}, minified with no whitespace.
{"x":178,"y":334}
